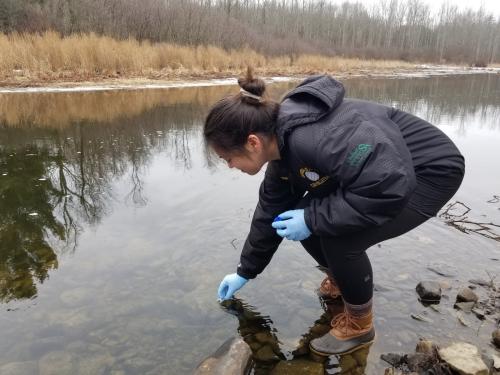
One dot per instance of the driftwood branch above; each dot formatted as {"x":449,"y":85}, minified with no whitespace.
{"x":455,"y":215}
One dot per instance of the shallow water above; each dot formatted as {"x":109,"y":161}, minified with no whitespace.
{"x":116,"y":230}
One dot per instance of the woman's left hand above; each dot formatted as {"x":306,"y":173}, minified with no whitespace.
{"x":291,"y":225}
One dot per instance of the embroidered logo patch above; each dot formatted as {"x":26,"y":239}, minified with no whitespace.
{"x":313,"y":176}
{"x":359,"y":154}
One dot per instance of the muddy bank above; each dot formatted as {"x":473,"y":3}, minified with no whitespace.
{"x":187,"y":79}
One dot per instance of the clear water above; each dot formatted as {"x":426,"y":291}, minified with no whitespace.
{"x":115,"y":231}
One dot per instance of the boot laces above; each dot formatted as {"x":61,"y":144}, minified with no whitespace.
{"x":343,"y":322}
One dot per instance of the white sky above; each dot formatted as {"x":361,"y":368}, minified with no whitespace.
{"x":492,"y":6}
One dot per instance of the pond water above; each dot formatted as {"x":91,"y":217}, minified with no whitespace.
{"x":116,"y":231}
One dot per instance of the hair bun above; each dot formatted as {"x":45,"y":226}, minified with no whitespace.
{"x":253,"y":85}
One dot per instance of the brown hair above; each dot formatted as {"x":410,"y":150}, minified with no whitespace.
{"x":234,"y":117}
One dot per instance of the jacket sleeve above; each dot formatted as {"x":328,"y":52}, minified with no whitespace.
{"x":374,"y":178}
{"x":275,"y":196}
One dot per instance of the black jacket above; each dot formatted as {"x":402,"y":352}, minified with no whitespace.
{"x":357,"y":161}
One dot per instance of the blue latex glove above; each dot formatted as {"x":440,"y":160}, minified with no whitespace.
{"x":291,"y":225}
{"x":229,"y":285}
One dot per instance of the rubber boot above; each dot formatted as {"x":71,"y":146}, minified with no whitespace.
{"x":349,"y":332}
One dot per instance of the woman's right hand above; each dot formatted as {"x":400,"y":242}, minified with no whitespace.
{"x":229,"y":285}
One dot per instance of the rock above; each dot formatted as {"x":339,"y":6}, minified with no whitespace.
{"x":463,"y":321}
{"x":419,"y":361}
{"x":265,"y":338}
{"x":233,"y":357}
{"x":480,"y":282}
{"x":19,"y":368}
{"x":266,"y":354}
{"x":444,"y":285}
{"x":466,"y":295}
{"x":496,"y":338}
{"x":56,"y":363}
{"x":426,"y":346}
{"x":464,"y":358}
{"x":394,"y":359}
{"x":480,"y":314}
{"x":496,"y":361}
{"x":421,"y":318}
{"x":392,"y":371}
{"x":99,"y":364}
{"x":464,"y":306}
{"x":298,"y":367}
{"x":429,"y":291}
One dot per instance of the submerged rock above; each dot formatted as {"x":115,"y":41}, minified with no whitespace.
{"x":392,"y":371}
{"x":480,"y":313}
{"x":421,"y":318}
{"x":266,"y":354}
{"x":19,"y":368}
{"x":426,"y":346}
{"x":464,"y":306}
{"x":481,"y":282}
{"x":298,"y":367}
{"x":57,"y":363}
{"x":394,"y":359}
{"x":467,"y":295}
{"x":233,"y":357}
{"x":495,"y":336}
{"x":464,"y":358}
{"x":429,"y":291}
{"x":419,"y":361}
{"x":496,"y":361}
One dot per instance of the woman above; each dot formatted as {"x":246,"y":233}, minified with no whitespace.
{"x":342,"y":175}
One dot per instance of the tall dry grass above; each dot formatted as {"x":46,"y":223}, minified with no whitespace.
{"x":88,"y":56}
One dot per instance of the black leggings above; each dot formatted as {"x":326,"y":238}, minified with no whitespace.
{"x":345,"y":256}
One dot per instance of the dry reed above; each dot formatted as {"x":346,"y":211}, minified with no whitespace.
{"x":34,"y":58}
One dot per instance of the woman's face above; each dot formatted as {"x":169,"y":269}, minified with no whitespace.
{"x":249,"y":161}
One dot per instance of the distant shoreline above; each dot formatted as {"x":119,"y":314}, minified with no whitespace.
{"x":208,"y":79}
{"x":38,"y":62}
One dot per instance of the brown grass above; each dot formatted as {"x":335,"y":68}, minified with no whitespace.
{"x":32,"y":59}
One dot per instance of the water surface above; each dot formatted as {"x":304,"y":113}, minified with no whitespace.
{"x":116,"y":230}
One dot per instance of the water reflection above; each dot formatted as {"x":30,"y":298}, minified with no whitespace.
{"x":438,"y":99}
{"x":435,"y":98}
{"x":110,"y":179}
{"x":55,"y":181}
{"x":263,"y":339}
{"x":80,"y":143}
{"x":27,"y":221}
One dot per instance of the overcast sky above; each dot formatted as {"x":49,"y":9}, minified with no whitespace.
{"x":492,"y":6}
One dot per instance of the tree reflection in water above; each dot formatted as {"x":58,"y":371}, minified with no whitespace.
{"x":27,"y":221}
{"x":55,"y":180}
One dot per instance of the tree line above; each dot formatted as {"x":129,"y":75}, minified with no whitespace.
{"x":391,"y":29}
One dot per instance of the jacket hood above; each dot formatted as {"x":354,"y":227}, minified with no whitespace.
{"x":312,"y":99}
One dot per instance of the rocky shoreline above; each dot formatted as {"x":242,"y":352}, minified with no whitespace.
{"x":479,"y":300}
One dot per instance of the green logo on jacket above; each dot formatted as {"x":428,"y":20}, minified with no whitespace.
{"x":359,"y":154}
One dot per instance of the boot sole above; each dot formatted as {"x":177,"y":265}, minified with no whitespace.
{"x":363,"y":345}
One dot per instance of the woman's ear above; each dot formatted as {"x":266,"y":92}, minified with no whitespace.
{"x":254,"y":143}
